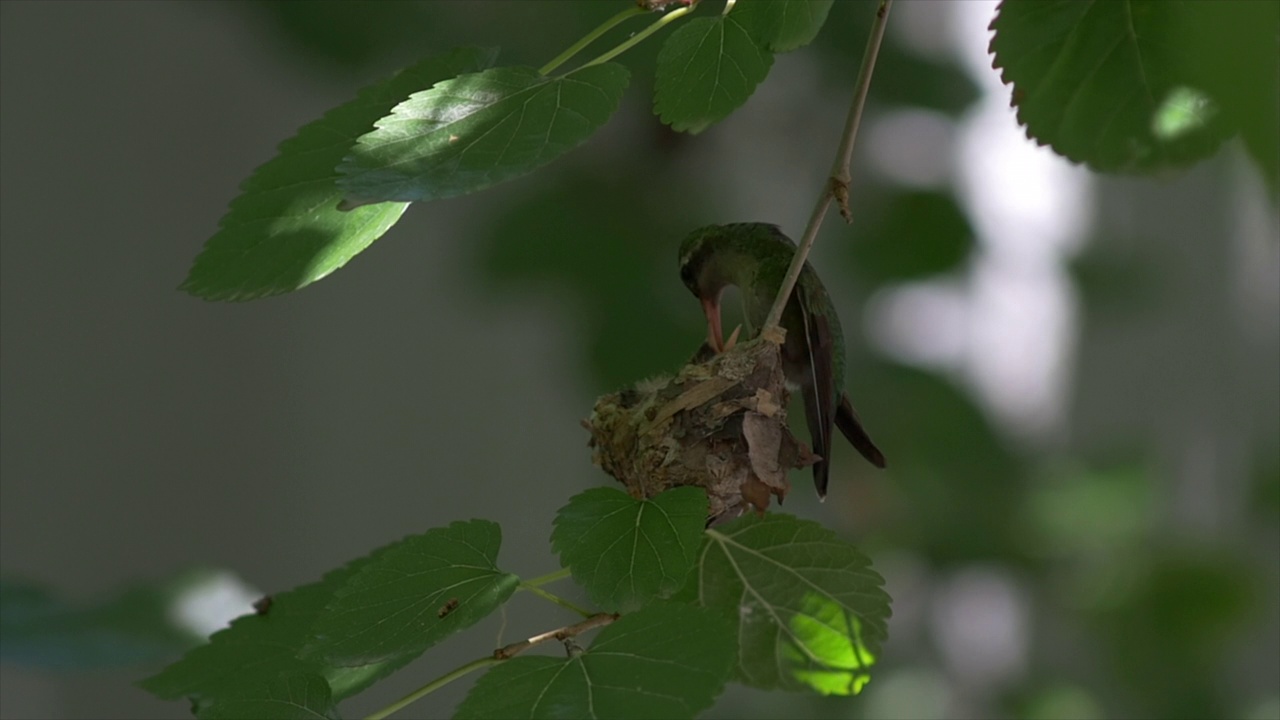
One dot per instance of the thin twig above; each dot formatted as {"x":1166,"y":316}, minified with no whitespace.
{"x":555,"y":599}
{"x":589,"y":38}
{"x":595,"y":621}
{"x":500,"y":655}
{"x":837,"y":185}
{"x":541,"y":580}
{"x":635,"y":39}
{"x":433,"y":686}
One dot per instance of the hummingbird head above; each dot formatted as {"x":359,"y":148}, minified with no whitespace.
{"x":700,"y":272}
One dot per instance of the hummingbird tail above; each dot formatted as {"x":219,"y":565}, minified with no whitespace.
{"x":849,"y":424}
{"x":819,"y":431}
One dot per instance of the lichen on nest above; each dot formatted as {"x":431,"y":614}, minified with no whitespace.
{"x":719,"y":424}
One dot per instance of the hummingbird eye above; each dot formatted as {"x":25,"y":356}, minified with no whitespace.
{"x":686,"y":276}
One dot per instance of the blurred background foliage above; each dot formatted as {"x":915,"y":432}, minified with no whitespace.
{"x":1082,"y":510}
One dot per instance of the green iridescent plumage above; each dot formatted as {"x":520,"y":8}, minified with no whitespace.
{"x":754,"y":257}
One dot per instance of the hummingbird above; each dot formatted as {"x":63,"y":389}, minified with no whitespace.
{"x":754,"y":257}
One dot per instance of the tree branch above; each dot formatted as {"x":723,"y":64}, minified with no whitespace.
{"x":837,"y":184}
{"x":502,"y":654}
{"x":564,"y":633}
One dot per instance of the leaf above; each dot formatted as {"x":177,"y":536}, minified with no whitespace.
{"x":142,"y":624}
{"x":290,"y":697}
{"x":285,"y":231}
{"x":1230,"y":48}
{"x":665,"y":661}
{"x":391,"y":610}
{"x":1099,"y":83}
{"x":626,"y":552}
{"x":706,"y":70}
{"x":474,"y":131}
{"x":258,"y":649}
{"x":782,"y":25}
{"x":809,"y":609}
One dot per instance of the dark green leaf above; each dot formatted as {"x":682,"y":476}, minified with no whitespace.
{"x":924,"y":233}
{"x":782,"y":25}
{"x":477,"y":130}
{"x":665,"y":661}
{"x":285,"y":231}
{"x":140,"y":625}
{"x":258,"y":649}
{"x":1231,"y":47}
{"x":706,"y":70}
{"x":1100,"y":83}
{"x":809,"y":609}
{"x":414,"y":594}
{"x":626,"y":552}
{"x":289,"y":697}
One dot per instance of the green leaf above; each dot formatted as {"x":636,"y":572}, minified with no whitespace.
{"x":140,"y":625}
{"x":414,"y":594}
{"x":706,"y":70}
{"x":782,"y":25}
{"x":665,"y":661}
{"x":1099,"y":82}
{"x":477,"y":130}
{"x":258,"y":649}
{"x":810,"y":610}
{"x":626,"y":552}
{"x":1231,"y":48}
{"x":290,"y":697}
{"x":285,"y":231}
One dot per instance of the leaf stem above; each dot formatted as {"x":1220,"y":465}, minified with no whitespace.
{"x":635,"y":39}
{"x":547,"y":579}
{"x":434,"y":685}
{"x":555,"y":599}
{"x":837,"y":185}
{"x":589,"y":38}
{"x":500,"y":655}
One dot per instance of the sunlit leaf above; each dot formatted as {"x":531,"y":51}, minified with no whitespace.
{"x":414,"y":594}
{"x":284,"y":231}
{"x":809,"y":609}
{"x":477,"y":130}
{"x":665,"y":661}
{"x":1101,"y":83}
{"x":706,"y":70}
{"x":626,"y":552}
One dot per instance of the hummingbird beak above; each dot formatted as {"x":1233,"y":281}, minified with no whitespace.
{"x":715,"y":334}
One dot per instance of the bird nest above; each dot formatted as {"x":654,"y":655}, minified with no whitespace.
{"x":719,"y":424}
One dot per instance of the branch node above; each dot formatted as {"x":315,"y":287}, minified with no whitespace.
{"x":839,"y":189}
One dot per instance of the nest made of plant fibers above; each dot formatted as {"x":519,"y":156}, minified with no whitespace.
{"x":719,"y":424}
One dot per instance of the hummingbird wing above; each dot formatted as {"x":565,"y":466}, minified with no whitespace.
{"x":849,"y":424}
{"x":820,"y":392}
